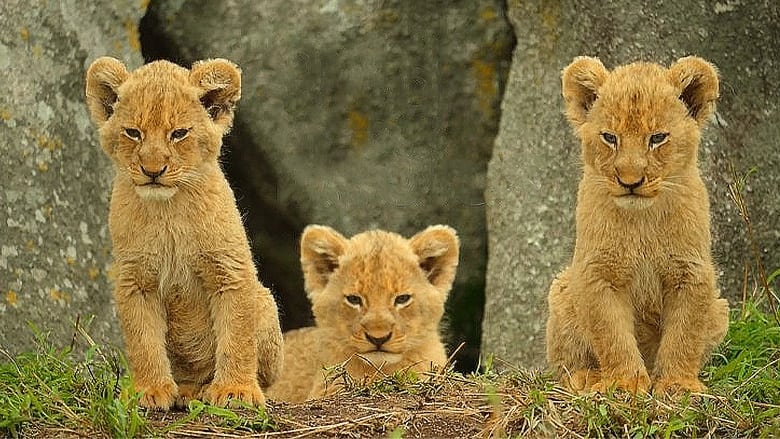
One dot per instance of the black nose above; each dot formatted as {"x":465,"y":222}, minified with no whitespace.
{"x":378,"y":342}
{"x":153,"y":174}
{"x":631,"y":186}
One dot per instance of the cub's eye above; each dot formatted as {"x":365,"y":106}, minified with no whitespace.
{"x":179,"y":134}
{"x":133,"y":133}
{"x":610,"y":139}
{"x":354,"y":300}
{"x":658,"y":139}
{"x":402,"y":299}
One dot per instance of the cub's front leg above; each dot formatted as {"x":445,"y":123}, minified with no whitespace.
{"x":694,"y":321}
{"x":234,"y":306}
{"x":142,"y":318}
{"x":608,"y":319}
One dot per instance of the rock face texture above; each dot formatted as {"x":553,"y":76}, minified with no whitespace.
{"x":54,"y":245}
{"x":534,"y":170}
{"x":356,"y":115}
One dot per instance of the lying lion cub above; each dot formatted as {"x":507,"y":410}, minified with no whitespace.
{"x":377,"y":300}
{"x":639,"y":305}
{"x":195,"y":319}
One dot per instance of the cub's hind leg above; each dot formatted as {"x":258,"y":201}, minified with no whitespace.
{"x":568,"y":352}
{"x":718,"y":324}
{"x":270,"y":344}
{"x":301,"y":365}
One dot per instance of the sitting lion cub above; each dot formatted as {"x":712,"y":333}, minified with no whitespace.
{"x":196,"y":321}
{"x":639,"y":305}
{"x":377,"y":300}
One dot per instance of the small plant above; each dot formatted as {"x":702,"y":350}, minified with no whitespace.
{"x":243,"y":417}
{"x":736,"y":193}
{"x":747,"y":364}
{"x":52,"y":387}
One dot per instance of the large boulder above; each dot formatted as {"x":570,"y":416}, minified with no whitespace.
{"x":356,"y":115}
{"x":534,"y":170}
{"x":54,"y":245}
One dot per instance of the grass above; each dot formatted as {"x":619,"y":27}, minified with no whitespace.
{"x":53,"y":387}
{"x":57,"y":392}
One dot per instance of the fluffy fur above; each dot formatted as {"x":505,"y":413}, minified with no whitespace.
{"x":377,"y":300}
{"x":196,"y":321}
{"x":638,"y":306}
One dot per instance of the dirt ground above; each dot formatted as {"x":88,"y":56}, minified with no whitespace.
{"x":450,"y":410}
{"x":457,"y":411}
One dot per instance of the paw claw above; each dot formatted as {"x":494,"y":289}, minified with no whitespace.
{"x":581,"y":380}
{"x":222,"y":394}
{"x":158,"y":397}
{"x":639,"y":383}
{"x":677,"y":387}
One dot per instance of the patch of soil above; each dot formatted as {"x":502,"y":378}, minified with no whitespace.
{"x":455,"y":411}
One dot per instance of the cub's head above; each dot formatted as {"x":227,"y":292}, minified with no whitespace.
{"x":639,"y":124}
{"x":162,"y":125}
{"x":380,"y":294}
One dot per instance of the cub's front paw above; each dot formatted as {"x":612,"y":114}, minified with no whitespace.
{"x":581,"y":380}
{"x":221,"y":394}
{"x":637,"y":383}
{"x":677,"y":386}
{"x":158,"y":397}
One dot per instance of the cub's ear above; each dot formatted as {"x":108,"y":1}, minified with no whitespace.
{"x":219,"y":81}
{"x":104,"y":76}
{"x":437,"y":249}
{"x":321,"y":248}
{"x":580,"y":83}
{"x":698,"y":83}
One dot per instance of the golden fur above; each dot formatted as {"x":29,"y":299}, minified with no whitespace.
{"x":638,"y":306}
{"x":376,"y":285}
{"x":195,"y":319}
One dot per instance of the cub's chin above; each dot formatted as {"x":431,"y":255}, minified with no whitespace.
{"x":378,"y":358}
{"x":155,"y":192}
{"x":633,"y":202}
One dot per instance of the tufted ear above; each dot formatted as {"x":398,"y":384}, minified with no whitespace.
{"x":580,"y":83}
{"x":437,"y":248}
{"x":219,"y":81}
{"x":104,"y":76}
{"x":698,"y":83}
{"x":321,"y":248}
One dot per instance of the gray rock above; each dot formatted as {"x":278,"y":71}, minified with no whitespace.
{"x":54,"y":245}
{"x":355,"y":115}
{"x":534,"y":170}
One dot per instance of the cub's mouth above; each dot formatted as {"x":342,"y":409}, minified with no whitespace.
{"x":155,"y":191}
{"x":633,"y":200}
{"x":634,"y":195}
{"x":378,"y":350}
{"x":379,"y":357}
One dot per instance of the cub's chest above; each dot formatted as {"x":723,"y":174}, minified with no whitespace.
{"x":166,"y":255}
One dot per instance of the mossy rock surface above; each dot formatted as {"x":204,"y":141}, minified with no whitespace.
{"x":54,"y":244}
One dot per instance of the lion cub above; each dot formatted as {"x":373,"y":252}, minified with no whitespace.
{"x":377,"y":300}
{"x":639,"y":305}
{"x":196,"y":321}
